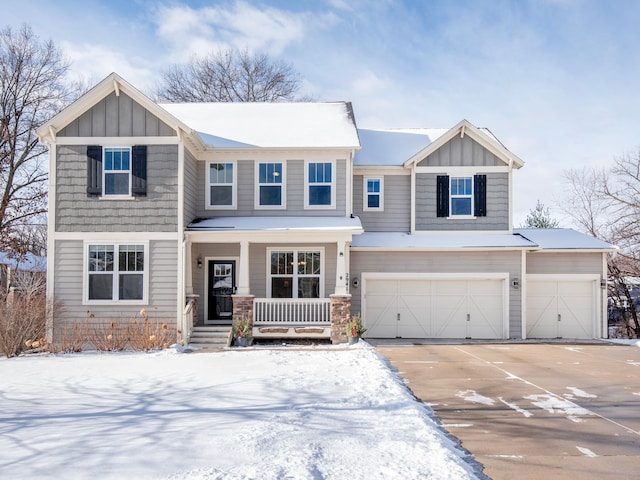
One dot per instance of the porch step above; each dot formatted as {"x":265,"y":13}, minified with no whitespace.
{"x":210,"y":337}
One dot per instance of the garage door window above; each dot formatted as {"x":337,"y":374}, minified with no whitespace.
{"x":295,"y":274}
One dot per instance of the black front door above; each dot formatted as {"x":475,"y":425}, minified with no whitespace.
{"x":221,"y":285}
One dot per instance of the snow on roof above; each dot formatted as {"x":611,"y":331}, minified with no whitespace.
{"x":393,"y":147}
{"x":310,"y":223}
{"x":390,"y":147}
{"x":28,"y":263}
{"x":440,"y":240}
{"x":563,"y":239}
{"x":293,"y":125}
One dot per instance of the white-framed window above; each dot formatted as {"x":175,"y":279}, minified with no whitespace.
{"x":117,"y":171}
{"x":373,"y":199}
{"x":295,"y":273}
{"x":116,"y":272}
{"x":221,"y":185}
{"x":461,"y":196}
{"x":320,"y":185}
{"x":270,"y":185}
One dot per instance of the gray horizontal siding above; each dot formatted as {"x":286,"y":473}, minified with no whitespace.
{"x":461,"y":152}
{"x":497,"y":205}
{"x":157,"y":212}
{"x":396,"y":216}
{"x":116,"y":116}
{"x":294,"y":189}
{"x":564,"y":263}
{"x":68,"y":277}
{"x":441,"y":262}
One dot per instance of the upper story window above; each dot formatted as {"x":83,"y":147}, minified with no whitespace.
{"x":373,"y":194}
{"x":221,"y":191}
{"x":320,"y":185}
{"x":461,"y":197}
{"x":116,"y":272}
{"x":270,"y":185}
{"x":117,"y":171}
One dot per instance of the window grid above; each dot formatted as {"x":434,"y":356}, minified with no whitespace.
{"x":270,"y":185}
{"x":109,"y":280}
{"x":461,"y":195}
{"x":320,"y":184}
{"x":299,"y":279}
{"x":373,"y":194}
{"x":117,"y":171}
{"x":221,"y":185}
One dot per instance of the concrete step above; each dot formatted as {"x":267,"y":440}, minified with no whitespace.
{"x":210,"y":337}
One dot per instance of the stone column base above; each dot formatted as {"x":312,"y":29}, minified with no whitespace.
{"x":340,"y":316}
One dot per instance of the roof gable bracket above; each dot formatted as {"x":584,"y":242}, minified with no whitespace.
{"x":116,"y":87}
{"x":462,"y":129}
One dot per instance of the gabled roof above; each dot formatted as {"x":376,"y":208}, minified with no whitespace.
{"x":112,"y":83}
{"x":270,"y":125}
{"x":483,"y":136}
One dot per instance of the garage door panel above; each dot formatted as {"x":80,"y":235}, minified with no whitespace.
{"x":435,"y":308}
{"x":560,"y":308}
{"x":380,"y":320}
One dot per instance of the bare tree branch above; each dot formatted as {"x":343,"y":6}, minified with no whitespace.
{"x":229,"y":76}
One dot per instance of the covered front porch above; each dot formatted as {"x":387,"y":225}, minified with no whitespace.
{"x":288,"y":275}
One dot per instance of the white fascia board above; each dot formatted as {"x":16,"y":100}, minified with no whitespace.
{"x":283,"y":237}
{"x":461,"y":232}
{"x":463,"y":170}
{"x":434,"y":276}
{"x":576,"y":250}
{"x":117,"y":141}
{"x":213,"y":153}
{"x":439,"y":249}
{"x":380,"y":170}
{"x":116,"y":236}
{"x":591,"y":277}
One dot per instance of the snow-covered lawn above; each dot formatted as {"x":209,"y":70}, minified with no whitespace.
{"x":283,"y":413}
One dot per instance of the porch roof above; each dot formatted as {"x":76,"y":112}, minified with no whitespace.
{"x":441,"y":241}
{"x":277,"y":224}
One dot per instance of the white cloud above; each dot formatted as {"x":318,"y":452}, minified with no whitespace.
{"x":190,"y":31}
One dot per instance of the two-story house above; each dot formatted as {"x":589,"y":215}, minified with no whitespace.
{"x":287,"y":213}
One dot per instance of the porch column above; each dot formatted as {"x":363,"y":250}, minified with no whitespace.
{"x":341,"y":268}
{"x":243,"y":269}
{"x":188,"y":270}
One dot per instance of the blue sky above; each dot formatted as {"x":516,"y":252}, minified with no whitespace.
{"x":557,"y":81}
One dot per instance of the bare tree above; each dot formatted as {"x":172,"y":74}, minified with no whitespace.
{"x":606,"y":204}
{"x":32,"y":89}
{"x":229,"y":76}
{"x":540,"y":217}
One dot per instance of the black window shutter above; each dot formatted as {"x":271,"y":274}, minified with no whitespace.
{"x":94,"y":170}
{"x":480,"y":195}
{"x":442,"y":194}
{"x":139,"y":171}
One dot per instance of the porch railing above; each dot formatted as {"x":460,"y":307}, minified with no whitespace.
{"x":299,"y":311}
{"x":187,"y":320}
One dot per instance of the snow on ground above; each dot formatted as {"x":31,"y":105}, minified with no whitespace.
{"x":254,"y":413}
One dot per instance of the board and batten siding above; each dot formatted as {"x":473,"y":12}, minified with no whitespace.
{"x":441,"y":262}
{"x":564,"y":263}
{"x":157,"y":212}
{"x":69,"y":272}
{"x":461,"y":152}
{"x":396,"y":214}
{"x":497,"y":206}
{"x":246,"y":191}
{"x":117,"y":116}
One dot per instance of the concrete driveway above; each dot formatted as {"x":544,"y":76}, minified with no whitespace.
{"x":533,"y":411}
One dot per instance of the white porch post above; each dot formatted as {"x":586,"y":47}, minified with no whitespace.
{"x":341,"y":268}
{"x":188,"y":272}
{"x":243,"y":269}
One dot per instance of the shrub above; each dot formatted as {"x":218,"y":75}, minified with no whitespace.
{"x":110,"y":337}
{"x":22,"y":323}
{"x":145,"y":335}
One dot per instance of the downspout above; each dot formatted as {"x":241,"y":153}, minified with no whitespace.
{"x":51,"y":250}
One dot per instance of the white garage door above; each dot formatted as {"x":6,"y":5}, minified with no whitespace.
{"x":407,"y":308}
{"x":561,"y":308}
